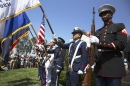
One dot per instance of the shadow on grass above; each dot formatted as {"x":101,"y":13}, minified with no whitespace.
{"x":22,"y":82}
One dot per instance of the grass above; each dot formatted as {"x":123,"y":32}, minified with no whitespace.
{"x":27,"y":77}
{"x":20,"y":77}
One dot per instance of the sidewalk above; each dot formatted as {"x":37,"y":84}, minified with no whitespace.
{"x":126,"y":79}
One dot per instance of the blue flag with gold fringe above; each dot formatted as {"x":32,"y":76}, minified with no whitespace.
{"x":12,"y":30}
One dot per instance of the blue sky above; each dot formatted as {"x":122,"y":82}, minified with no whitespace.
{"x":64,"y":15}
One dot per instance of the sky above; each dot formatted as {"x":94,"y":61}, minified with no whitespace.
{"x":64,"y":15}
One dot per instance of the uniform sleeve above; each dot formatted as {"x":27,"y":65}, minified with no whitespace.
{"x":51,"y":51}
{"x":121,"y":38}
{"x":61,"y":60}
{"x":64,"y":46}
{"x":84,"y":56}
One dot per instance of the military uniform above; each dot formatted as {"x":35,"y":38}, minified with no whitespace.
{"x":112,"y":37}
{"x":48,"y":67}
{"x":77,"y":62}
{"x":41,"y":66}
{"x":108,"y":56}
{"x":58,"y":64}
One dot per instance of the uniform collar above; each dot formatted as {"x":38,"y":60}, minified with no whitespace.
{"x":108,"y":23}
{"x":76,"y":40}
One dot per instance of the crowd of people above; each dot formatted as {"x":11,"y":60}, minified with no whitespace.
{"x":22,"y":61}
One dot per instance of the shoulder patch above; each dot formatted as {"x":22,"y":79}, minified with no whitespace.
{"x":124,"y":32}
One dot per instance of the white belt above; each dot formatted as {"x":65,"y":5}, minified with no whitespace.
{"x":78,"y":56}
{"x":103,"y":50}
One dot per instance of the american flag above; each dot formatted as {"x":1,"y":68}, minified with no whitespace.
{"x":41,"y":33}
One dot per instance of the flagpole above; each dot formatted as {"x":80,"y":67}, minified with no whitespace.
{"x":47,"y":20}
{"x":34,"y":31}
{"x":38,"y":39}
{"x":53,"y":33}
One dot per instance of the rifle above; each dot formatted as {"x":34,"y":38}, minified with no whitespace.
{"x":88,"y":75}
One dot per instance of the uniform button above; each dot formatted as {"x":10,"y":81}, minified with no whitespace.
{"x":104,"y":43}
{"x":100,"y":43}
{"x":105,"y":33}
{"x":104,"y":36}
{"x":108,"y":44}
{"x":106,"y":26}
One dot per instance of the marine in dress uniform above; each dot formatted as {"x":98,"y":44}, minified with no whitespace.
{"x":78,"y":57}
{"x":112,"y":37}
{"x":58,"y":63}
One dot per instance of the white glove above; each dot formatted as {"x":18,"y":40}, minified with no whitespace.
{"x":57,"y":71}
{"x":94,"y":39}
{"x":80,"y":72}
{"x":41,"y":47}
{"x":54,"y":36}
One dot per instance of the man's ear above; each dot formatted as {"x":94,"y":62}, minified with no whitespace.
{"x":80,"y":35}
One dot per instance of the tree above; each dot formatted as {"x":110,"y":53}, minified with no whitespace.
{"x":24,"y":46}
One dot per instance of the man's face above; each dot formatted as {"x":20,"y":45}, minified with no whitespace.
{"x":106,"y":16}
{"x":51,"y":43}
{"x":88,"y":34}
{"x":76,"y":36}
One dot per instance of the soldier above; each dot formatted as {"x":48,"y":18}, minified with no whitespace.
{"x":48,"y":64}
{"x":41,"y":66}
{"x":78,"y":57}
{"x":109,"y":68}
{"x":58,"y":63}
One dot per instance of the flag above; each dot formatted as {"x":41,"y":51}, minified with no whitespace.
{"x":41,"y":33}
{"x":12,"y":8}
{"x":13,"y":25}
{"x":12,"y":30}
{"x":19,"y":35}
{"x":41,"y":39}
{"x":12,"y":42}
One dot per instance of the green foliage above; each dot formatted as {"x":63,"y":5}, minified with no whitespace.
{"x":63,"y":78}
{"x":93,"y":82}
{"x":24,"y":46}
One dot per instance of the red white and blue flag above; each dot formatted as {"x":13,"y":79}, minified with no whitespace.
{"x":41,"y":39}
{"x":41,"y":33}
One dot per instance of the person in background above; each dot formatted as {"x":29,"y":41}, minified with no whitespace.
{"x":127,"y":55}
{"x":88,"y":34}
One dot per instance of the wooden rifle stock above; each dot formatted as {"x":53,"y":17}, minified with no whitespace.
{"x":88,"y":75}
